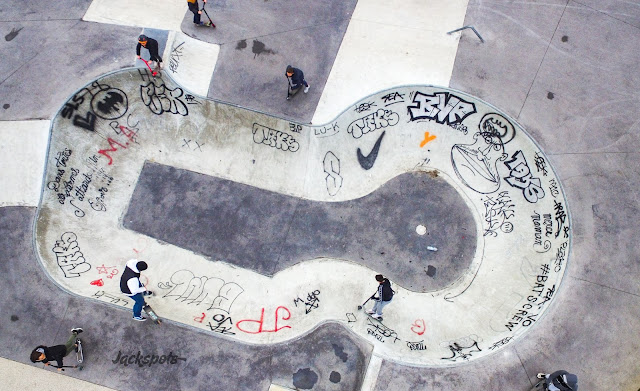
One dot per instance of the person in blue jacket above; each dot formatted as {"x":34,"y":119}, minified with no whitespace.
{"x":296,"y":80}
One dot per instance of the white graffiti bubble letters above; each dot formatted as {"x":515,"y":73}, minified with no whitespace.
{"x":69,"y":257}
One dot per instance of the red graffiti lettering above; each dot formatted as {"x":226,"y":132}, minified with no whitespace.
{"x":128,"y":132}
{"x":260,"y":322}
{"x":418,"y":326}
{"x":112,"y":142}
{"x":199,"y":319}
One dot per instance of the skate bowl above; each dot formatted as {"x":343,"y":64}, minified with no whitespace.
{"x":259,"y":229}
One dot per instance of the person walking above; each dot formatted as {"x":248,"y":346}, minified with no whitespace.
{"x":195,"y":8}
{"x":296,"y":80}
{"x":385,"y":294}
{"x":131,"y":286}
{"x":56,"y":353}
{"x":152,"y":46}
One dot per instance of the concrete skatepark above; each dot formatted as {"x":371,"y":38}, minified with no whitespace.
{"x":265,"y":221}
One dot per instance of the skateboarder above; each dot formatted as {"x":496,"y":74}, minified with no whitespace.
{"x":131,"y":286}
{"x":296,"y":80}
{"x":152,"y":46}
{"x":45,"y":354}
{"x":385,"y":294}
{"x":193,"y":7}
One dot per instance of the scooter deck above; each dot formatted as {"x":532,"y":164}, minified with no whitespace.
{"x":79,"y":354}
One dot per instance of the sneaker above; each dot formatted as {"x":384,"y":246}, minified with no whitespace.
{"x":306,"y":89}
{"x":371,"y":312}
{"x":76,"y":330}
{"x":376,"y":316}
{"x":541,"y":375}
{"x":139,"y":318}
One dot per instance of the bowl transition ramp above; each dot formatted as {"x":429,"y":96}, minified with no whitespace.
{"x":503,"y":191}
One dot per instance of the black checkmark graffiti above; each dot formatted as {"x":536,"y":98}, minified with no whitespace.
{"x":366,"y":162}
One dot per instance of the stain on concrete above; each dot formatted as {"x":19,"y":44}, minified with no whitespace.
{"x":431,"y":271}
{"x":260,"y":48}
{"x":334,"y":377}
{"x":339,"y":351}
{"x":564,"y":38}
{"x":305,"y":379}
{"x":14,"y":318}
{"x":241,"y":44}
{"x":550,"y":95}
{"x":14,"y":33}
{"x":6,"y":106}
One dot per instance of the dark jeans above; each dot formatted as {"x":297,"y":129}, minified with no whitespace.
{"x":139,"y":302}
{"x":154,"y":56}
{"x":196,"y":17}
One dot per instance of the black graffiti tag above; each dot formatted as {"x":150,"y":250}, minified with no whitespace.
{"x":379,"y":119}
{"x":442,"y":107}
{"x":69,"y":256}
{"x":162,"y":99}
{"x":520,"y":177}
{"x":110,"y":104}
{"x":274,"y":138}
{"x":331,"y":165}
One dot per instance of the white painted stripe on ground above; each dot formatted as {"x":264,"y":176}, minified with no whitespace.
{"x":190,"y":62}
{"x":274,"y":387}
{"x":22,"y":153}
{"x":18,"y":376}
{"x":158,"y":14}
{"x":392,"y":43}
{"x":371,"y":377}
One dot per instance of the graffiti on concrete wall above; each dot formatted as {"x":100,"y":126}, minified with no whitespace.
{"x":442,"y":107}
{"x":483,"y":154}
{"x":379,"y":119}
{"x":274,"y":138}
{"x":211,"y":292}
{"x":70,"y":259}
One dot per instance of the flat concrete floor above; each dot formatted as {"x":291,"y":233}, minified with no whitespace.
{"x":565,"y":70}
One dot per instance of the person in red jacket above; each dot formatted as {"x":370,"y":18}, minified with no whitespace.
{"x":56,"y":353}
{"x":152,"y":46}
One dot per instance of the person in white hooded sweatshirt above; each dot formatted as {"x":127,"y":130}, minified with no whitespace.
{"x":131,"y":286}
